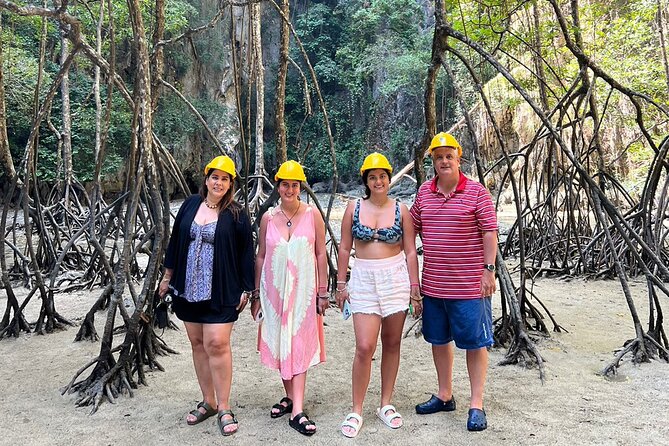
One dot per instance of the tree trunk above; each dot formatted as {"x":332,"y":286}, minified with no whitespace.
{"x":429,"y":105}
{"x":537,"y":56}
{"x":661,"y":11}
{"x":281,"y":149}
{"x":5,"y":154}
{"x":66,"y":127}
{"x":159,"y":59}
{"x":259,"y":79}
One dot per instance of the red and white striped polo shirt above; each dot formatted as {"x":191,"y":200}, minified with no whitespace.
{"x":451,"y":228}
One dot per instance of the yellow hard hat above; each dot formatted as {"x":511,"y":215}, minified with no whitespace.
{"x":444,"y":139}
{"x":375,"y":161}
{"x":223,"y":163}
{"x":290,"y":170}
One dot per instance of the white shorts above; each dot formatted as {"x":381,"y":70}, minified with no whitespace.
{"x":380,"y":286}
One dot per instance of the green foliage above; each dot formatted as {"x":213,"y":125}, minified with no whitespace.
{"x":365,"y":54}
{"x":83,"y":133}
{"x":625,"y":44}
{"x":370,"y":57}
{"x":378,"y":32}
{"x":174,"y":122}
{"x":20,"y":69}
{"x":178,"y":15}
{"x":407,"y":73}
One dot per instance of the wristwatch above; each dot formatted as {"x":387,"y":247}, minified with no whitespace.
{"x":490,"y":267}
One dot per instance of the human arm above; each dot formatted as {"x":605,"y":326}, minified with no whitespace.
{"x":488,"y":285}
{"x":487,"y":222}
{"x":321,"y":262}
{"x":260,"y":260}
{"x":343,"y":255}
{"x":416,"y":215}
{"x":164,"y":285}
{"x":409,"y":247}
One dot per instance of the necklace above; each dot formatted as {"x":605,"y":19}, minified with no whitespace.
{"x":289,"y":222}
{"x":210,"y":206}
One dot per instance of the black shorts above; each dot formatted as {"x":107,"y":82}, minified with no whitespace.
{"x":203,"y":313}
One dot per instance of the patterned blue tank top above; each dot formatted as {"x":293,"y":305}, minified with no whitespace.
{"x":392,"y":234}
{"x":200,"y":262}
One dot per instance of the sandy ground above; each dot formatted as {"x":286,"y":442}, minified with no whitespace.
{"x":574,"y":406}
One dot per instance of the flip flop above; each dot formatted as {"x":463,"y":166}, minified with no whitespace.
{"x":221,"y":423}
{"x":388,"y":419}
{"x":282,"y":410}
{"x":302,"y":427}
{"x":199,"y":416}
{"x":348,"y":423}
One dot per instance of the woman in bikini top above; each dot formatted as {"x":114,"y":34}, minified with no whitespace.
{"x":392,"y":234}
{"x":383,"y":279}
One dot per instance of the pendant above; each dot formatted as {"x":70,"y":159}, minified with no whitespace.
{"x":289,"y":224}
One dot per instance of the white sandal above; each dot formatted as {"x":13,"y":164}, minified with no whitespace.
{"x":348,"y":423}
{"x":387,"y":419}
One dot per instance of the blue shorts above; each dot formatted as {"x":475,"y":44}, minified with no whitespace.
{"x":468,"y":322}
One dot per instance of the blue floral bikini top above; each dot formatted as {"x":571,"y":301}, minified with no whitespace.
{"x":392,"y":234}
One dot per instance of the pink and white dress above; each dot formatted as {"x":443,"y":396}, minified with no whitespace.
{"x":291,"y":337}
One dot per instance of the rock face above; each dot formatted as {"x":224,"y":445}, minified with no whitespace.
{"x":321,"y":187}
{"x":211,"y":76}
{"x":403,"y":190}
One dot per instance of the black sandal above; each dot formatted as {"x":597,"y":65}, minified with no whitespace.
{"x":282,"y":410}
{"x":199,"y":416}
{"x":302,"y":427}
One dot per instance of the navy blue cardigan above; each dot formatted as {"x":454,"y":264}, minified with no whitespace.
{"x":233,"y":254}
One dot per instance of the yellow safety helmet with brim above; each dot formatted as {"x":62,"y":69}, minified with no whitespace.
{"x":443,"y":139}
{"x":223,"y":163}
{"x":290,"y":170}
{"x":375,"y":161}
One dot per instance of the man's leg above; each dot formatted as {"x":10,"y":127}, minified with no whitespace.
{"x":443,"y":362}
{"x":477,"y":366}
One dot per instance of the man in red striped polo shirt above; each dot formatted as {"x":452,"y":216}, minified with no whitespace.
{"x":456,"y":220}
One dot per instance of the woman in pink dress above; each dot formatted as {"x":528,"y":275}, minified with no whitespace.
{"x":291,"y":283}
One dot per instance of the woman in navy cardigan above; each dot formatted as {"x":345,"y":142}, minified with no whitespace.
{"x":209,"y":272}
